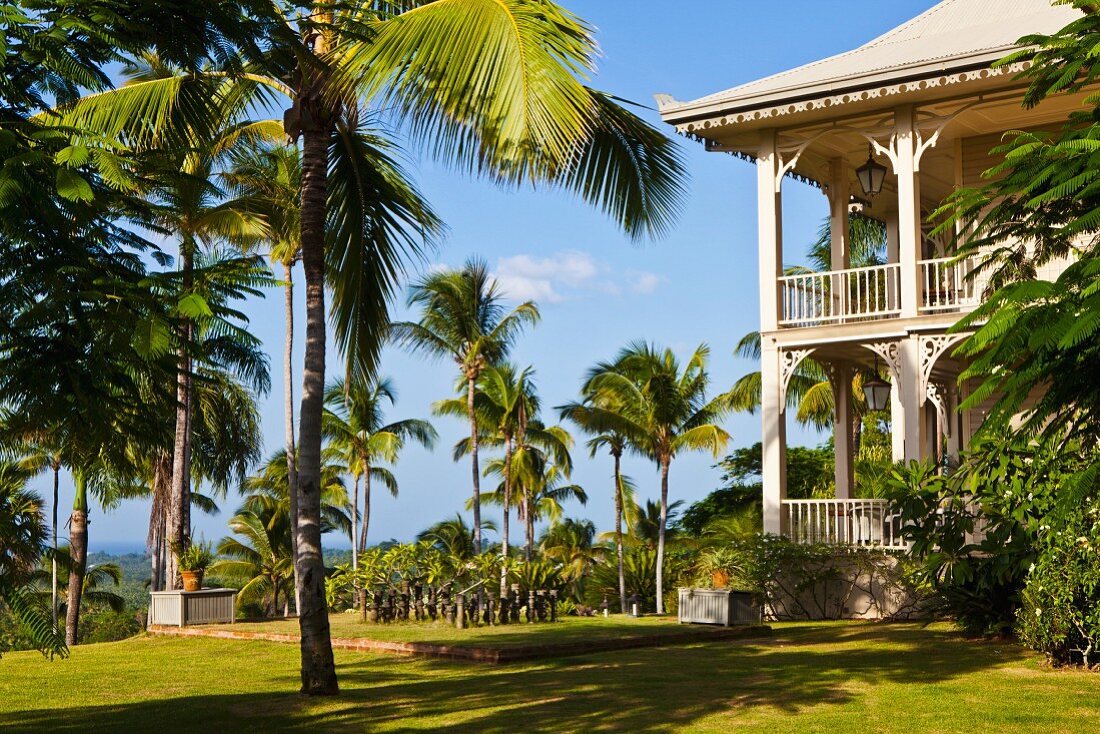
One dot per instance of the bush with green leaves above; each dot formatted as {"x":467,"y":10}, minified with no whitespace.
{"x":1060,"y":610}
{"x":977,"y":531}
{"x":197,"y":557}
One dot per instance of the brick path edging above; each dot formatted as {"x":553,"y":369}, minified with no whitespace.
{"x":480,"y":654}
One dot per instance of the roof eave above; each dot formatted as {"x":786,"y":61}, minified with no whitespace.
{"x":679,"y":113}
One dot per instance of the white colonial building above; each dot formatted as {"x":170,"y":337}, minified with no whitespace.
{"x":925,"y":103}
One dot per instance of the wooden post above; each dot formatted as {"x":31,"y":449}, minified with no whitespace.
{"x":460,"y":611}
{"x":515,"y":604}
{"x":553,"y":605}
{"x":530,"y":605}
{"x":909,"y":211}
{"x":843,"y":421}
{"x":774,"y":464}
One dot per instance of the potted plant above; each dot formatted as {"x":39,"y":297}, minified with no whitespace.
{"x":721,"y":565}
{"x":193,"y":563}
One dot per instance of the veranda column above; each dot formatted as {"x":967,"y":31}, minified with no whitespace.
{"x":909,"y":217}
{"x":774,"y":434}
{"x":839,"y":192}
{"x":843,"y":440}
{"x":909,"y":248}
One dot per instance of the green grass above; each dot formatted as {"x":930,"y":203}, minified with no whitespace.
{"x":806,"y":678}
{"x":575,"y":629}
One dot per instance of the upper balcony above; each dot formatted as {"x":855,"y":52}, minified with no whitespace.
{"x":945,"y":286}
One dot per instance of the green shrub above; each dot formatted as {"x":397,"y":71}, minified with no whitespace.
{"x":196,"y":558}
{"x":109,"y":626}
{"x":1060,"y":614}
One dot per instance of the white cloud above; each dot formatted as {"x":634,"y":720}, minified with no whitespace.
{"x":565,"y":275}
{"x":643,"y":282}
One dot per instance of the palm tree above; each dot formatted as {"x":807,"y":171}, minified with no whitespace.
{"x":506,"y":401}
{"x":615,"y":444}
{"x":453,"y":537}
{"x":23,"y":528}
{"x":646,"y":525}
{"x":662,"y":410}
{"x":571,"y":543}
{"x":544,"y":486}
{"x":497,"y":88}
{"x":267,"y":179}
{"x":462,"y":317}
{"x":355,"y":427}
{"x":260,"y":558}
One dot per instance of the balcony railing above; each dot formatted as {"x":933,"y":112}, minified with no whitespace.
{"x":864,"y":523}
{"x":838,"y":296}
{"x":946,"y":287}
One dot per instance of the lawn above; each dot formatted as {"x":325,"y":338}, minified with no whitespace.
{"x":806,"y":678}
{"x":579,"y":629}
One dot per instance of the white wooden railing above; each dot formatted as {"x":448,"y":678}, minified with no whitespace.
{"x":837,"y":296}
{"x":853,"y":522}
{"x":946,"y":287}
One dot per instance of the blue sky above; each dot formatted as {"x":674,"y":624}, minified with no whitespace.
{"x":596,"y":289}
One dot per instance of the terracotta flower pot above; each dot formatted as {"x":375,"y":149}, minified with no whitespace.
{"x":192,"y":580}
{"x":720,"y":579}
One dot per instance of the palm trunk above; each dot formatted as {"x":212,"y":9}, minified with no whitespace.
{"x":288,"y":422}
{"x":619,"y":529}
{"x":78,"y":549}
{"x":507,"y":512}
{"x":665,"y":461}
{"x":179,"y":504}
{"x":366,"y":508}
{"x":318,"y":666}
{"x":355,"y":524}
{"x":529,"y":525}
{"x":53,"y":562}
{"x":471,"y":385}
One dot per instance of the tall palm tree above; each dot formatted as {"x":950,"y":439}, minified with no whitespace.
{"x":462,"y":316}
{"x":267,"y":178}
{"x":544,"y":485}
{"x":615,"y":443}
{"x":662,"y":409}
{"x":506,"y":402}
{"x":495,"y":87}
{"x":354,"y":424}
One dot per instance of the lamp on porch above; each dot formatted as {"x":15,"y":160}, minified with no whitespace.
{"x":871,"y":174}
{"x":876,"y":391}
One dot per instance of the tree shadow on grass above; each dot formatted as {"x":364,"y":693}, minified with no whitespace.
{"x":649,"y":690}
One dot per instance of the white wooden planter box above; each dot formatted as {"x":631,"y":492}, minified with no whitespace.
{"x":717,"y":606}
{"x":183,"y":608}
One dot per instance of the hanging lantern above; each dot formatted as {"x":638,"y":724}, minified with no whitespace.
{"x":871,"y":174}
{"x":876,"y":391}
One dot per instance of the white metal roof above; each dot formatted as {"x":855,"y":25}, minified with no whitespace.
{"x":952,"y":34}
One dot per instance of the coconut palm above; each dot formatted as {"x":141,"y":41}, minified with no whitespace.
{"x":662,"y":410}
{"x":615,"y":444}
{"x":354,"y":424}
{"x":23,"y":528}
{"x":462,"y":316}
{"x":571,"y":543}
{"x":453,"y":537}
{"x":544,"y":486}
{"x":268,"y":493}
{"x":495,"y":87}
{"x":505,"y":403}
{"x":266,"y":178}
{"x":260,"y":558}
{"x":646,"y":524}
